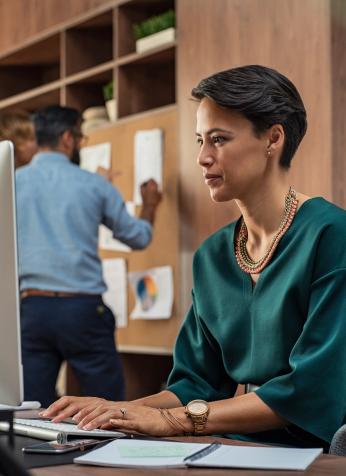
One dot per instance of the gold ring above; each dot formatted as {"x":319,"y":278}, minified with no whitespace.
{"x":123,"y":411}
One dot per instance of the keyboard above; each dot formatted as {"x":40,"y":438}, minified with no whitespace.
{"x":61,"y":432}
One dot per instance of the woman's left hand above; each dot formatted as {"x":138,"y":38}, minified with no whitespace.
{"x":126,"y":416}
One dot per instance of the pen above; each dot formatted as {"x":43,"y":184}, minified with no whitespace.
{"x":203,"y":452}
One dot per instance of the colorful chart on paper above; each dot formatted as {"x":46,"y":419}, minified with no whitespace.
{"x":147,"y":292}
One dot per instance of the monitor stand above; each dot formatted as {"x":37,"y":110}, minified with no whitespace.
{"x":22,"y":406}
{"x":7,"y":416}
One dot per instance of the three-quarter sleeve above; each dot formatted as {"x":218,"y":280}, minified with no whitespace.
{"x":198,"y":370}
{"x":313,"y":394}
{"x":132,"y":231}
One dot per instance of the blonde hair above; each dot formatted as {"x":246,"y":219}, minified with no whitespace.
{"x":17,"y":127}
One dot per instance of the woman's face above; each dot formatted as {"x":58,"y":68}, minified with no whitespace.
{"x":232,"y":157}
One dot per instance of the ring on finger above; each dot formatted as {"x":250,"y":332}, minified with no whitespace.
{"x":123,"y":412}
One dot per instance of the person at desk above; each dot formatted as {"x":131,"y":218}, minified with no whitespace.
{"x":18,"y":127}
{"x":268,"y":303}
{"x":60,"y":208}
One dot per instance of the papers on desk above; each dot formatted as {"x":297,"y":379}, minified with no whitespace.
{"x":165,"y":454}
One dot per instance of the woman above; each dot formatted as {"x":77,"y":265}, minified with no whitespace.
{"x":269,"y":299}
{"x":18,"y":127}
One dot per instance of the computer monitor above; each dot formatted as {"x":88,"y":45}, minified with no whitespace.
{"x":11,"y":374}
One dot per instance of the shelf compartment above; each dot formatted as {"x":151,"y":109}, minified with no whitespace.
{"x":33,"y":66}
{"x":147,"y":82}
{"x":88,"y":91}
{"x":90,"y":43}
{"x":33,"y":102}
{"x":135,"y":12}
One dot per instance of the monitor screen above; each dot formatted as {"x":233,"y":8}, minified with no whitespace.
{"x":11,"y":377}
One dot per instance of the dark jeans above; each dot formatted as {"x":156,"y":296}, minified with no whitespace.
{"x":77,"y":329}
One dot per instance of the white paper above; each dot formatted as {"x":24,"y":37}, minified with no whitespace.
{"x":106,"y":240}
{"x":114,"y":275}
{"x":148,"y":160}
{"x":142,"y":453}
{"x":116,"y":453}
{"x":227,"y":456}
{"x":96,"y":156}
{"x":153,"y":290}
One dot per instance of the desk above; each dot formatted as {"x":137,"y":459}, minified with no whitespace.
{"x":325,"y":465}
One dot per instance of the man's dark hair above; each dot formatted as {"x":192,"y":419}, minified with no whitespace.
{"x":264,"y":96}
{"x":51,"y":122}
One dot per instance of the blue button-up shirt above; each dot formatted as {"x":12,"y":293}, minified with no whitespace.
{"x":59,"y":210}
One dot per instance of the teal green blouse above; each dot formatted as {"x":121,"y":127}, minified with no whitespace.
{"x":286,"y":335}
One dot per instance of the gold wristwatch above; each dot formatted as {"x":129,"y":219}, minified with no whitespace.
{"x":198,"y":411}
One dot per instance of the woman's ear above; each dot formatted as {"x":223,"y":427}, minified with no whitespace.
{"x":276,"y":139}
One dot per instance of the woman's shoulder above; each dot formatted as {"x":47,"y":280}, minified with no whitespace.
{"x":323,"y":228}
{"x":222,"y":238}
{"x":321,"y":213}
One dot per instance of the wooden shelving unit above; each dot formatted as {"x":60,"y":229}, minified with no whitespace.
{"x":72,"y":63}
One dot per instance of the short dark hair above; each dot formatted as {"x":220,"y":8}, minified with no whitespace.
{"x":51,"y":122}
{"x":264,"y":96}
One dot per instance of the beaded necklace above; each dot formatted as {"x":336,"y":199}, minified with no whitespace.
{"x":242,"y":256}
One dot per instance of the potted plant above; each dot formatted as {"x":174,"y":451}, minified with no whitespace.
{"x":155,"y":31}
{"x":108,"y":94}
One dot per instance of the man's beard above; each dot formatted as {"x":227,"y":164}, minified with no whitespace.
{"x":75,"y":159}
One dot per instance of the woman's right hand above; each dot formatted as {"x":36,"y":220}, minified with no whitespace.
{"x":70,"y":407}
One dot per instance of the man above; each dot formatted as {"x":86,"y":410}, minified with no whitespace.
{"x":60,"y":208}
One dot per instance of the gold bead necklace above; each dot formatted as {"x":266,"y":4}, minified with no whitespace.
{"x":255,"y":267}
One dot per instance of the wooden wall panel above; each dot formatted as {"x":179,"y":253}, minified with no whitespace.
{"x":22,"y":19}
{"x":338,"y":72}
{"x":291,"y":36}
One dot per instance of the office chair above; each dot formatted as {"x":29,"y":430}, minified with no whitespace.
{"x":9,"y":466}
{"x":338,"y":444}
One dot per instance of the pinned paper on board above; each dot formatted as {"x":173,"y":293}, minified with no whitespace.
{"x":114,"y":275}
{"x":153,"y":290}
{"x":96,"y":156}
{"x":106,"y":240}
{"x":148,"y":160}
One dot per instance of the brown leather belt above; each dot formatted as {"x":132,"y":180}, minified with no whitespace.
{"x":41,"y":292}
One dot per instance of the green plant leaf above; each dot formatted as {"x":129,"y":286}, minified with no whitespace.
{"x":108,"y":91}
{"x":154,"y":24}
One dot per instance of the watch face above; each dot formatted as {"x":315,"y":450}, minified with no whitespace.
{"x":197,"y":407}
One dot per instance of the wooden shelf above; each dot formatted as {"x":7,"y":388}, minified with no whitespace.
{"x":72,"y":64}
{"x":90,"y":73}
{"x":164,"y":52}
{"x":35,"y":98}
{"x":89,"y":43}
{"x":88,"y":91}
{"x":31,"y":67}
{"x":134,"y":12}
{"x":149,"y":72}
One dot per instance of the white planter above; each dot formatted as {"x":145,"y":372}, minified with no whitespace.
{"x":155,"y":40}
{"x":111,"y":107}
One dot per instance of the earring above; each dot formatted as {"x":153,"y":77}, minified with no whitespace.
{"x":269,"y":152}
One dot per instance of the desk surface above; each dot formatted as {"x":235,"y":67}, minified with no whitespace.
{"x":325,"y":465}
